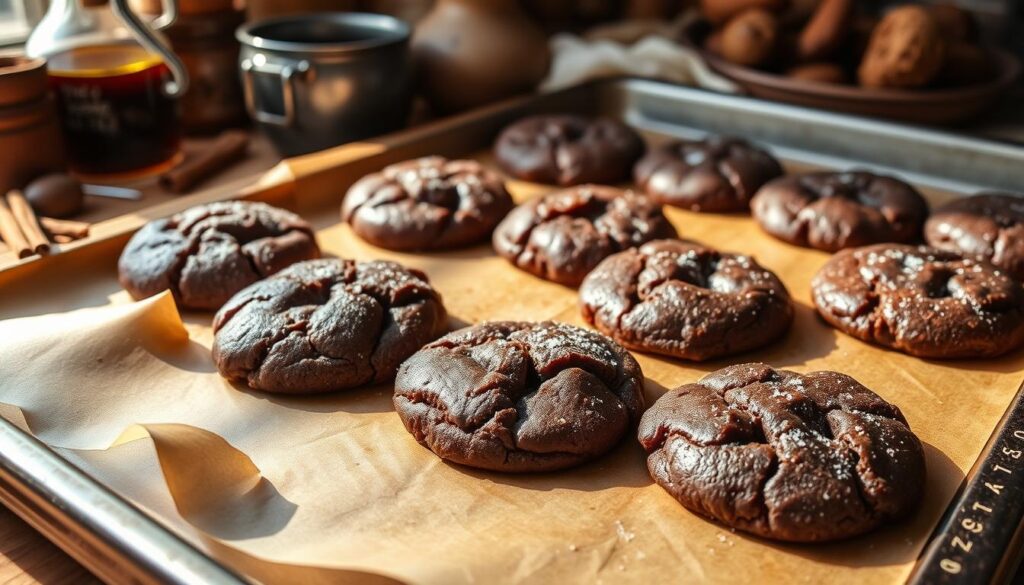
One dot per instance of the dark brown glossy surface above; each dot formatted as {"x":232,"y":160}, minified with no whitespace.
{"x":685,"y":300}
{"x":326,"y":325}
{"x":793,"y":457}
{"x":714,"y":174}
{"x":427,"y":203}
{"x":207,"y":253}
{"x":568,"y":150}
{"x":923,"y":301}
{"x":563,"y":235}
{"x":831,"y":211}
{"x":520,"y":396}
{"x":989,"y":225}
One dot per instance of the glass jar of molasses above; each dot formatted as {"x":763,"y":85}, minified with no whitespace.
{"x":116,"y":84}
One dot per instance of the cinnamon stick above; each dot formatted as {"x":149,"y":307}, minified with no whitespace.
{"x":27,"y":221}
{"x":10,"y":231}
{"x":64,"y":229}
{"x":227,"y":149}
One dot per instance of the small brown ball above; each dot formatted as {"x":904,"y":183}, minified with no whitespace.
{"x":906,"y":50}
{"x":826,"y":31}
{"x":819,"y":73}
{"x":751,"y":38}
{"x":55,"y":195}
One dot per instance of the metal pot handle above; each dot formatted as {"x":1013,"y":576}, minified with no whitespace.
{"x":178,"y":84}
{"x":168,"y":14}
{"x":286,"y":73}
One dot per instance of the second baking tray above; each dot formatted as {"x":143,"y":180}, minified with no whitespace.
{"x":640,"y":533}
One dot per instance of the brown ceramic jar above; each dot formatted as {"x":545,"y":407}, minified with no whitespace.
{"x":29,"y":134}
{"x":474,"y":52}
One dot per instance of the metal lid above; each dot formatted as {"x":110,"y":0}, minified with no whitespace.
{"x":325,"y":32}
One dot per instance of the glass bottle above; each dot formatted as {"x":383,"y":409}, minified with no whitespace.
{"x":117,"y":85}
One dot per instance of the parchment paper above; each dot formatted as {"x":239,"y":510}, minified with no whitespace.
{"x":333,"y":489}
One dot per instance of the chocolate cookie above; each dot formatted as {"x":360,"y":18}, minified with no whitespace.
{"x":562,"y":236}
{"x":716,"y":174}
{"x":906,"y":50}
{"x":922,"y":301}
{"x":831,"y":211}
{"x":826,"y":31}
{"x":521,"y":397}
{"x":427,"y":203}
{"x":568,"y":150}
{"x":800,"y":458}
{"x":989,"y":225}
{"x":207,"y":253}
{"x":750,"y":38}
{"x":326,"y":325}
{"x":685,"y":300}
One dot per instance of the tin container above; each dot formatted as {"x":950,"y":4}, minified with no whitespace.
{"x":319,"y":80}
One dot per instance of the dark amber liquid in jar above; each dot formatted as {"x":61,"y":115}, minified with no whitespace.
{"x":116,"y":120}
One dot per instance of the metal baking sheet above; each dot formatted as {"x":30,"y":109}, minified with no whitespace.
{"x":975,"y":542}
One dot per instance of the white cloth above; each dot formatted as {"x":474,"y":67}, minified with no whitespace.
{"x":575,"y":60}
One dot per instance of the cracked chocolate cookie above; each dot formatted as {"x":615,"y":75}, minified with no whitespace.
{"x":800,"y":458}
{"x":562,"y":236}
{"x":520,"y":397}
{"x":717,"y":174}
{"x":685,"y":300}
{"x":207,"y":253}
{"x":427,"y":204}
{"x":326,"y":325}
{"x":832,"y":211}
{"x":990,"y":226}
{"x":568,"y":150}
{"x":922,"y":301}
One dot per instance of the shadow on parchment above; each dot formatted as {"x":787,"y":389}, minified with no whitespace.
{"x":263,"y":571}
{"x":653,"y":391}
{"x":196,"y":318}
{"x":892,"y":544}
{"x":408,"y":257}
{"x":194,"y":358}
{"x":272,"y":505}
{"x":1010,"y":363}
{"x":809,"y":338}
{"x":365,"y":400}
{"x":624,"y":466}
{"x":217,"y":487}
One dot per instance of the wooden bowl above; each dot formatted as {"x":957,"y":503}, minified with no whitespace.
{"x":940,"y":106}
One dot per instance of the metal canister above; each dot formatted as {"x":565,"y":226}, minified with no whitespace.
{"x":318,"y":80}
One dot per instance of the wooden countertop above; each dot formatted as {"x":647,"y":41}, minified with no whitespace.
{"x":27,"y":557}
